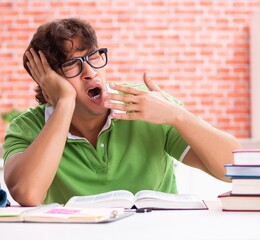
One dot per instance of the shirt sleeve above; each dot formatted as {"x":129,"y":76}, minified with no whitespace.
{"x":21,"y":133}
{"x":175,"y":145}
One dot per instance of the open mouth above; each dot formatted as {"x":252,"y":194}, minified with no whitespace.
{"x":94,"y":93}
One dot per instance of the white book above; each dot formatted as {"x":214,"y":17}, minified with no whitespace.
{"x":246,"y":157}
{"x":142,"y":199}
{"x":248,"y":186}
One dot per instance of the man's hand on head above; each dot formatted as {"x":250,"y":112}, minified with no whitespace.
{"x":54,"y":87}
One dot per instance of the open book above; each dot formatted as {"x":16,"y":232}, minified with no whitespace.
{"x":60,"y":214}
{"x":142,"y":199}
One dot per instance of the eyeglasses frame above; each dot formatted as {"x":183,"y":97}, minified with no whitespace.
{"x":85,"y":58}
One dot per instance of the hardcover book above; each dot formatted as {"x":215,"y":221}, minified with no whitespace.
{"x":249,"y":186}
{"x":142,"y":199}
{"x":233,"y":170}
{"x":232,"y":202}
{"x":246,"y":157}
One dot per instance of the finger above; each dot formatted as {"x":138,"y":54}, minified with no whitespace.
{"x":124,"y":98}
{"x":126,"y":89}
{"x":148,"y":82}
{"x":152,"y":86}
{"x":33,"y":67}
{"x":38,"y":61}
{"x":125,"y":107}
{"x":46,"y":65}
{"x":127,"y":115}
{"x":34,"y":76}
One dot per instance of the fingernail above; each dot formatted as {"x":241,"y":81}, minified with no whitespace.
{"x":112,"y":84}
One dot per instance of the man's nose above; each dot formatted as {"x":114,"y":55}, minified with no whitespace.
{"x":88,"y":71}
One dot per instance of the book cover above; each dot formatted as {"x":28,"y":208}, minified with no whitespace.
{"x":248,"y":186}
{"x":246,"y":157}
{"x":233,"y":170}
{"x":246,"y":203}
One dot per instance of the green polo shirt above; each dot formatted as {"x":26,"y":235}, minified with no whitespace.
{"x":130,"y":155}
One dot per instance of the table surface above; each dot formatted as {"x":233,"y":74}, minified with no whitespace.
{"x":177,"y":224}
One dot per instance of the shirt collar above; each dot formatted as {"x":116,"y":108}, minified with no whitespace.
{"x":49,"y":110}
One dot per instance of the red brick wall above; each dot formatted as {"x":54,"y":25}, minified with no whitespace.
{"x":196,"y":50}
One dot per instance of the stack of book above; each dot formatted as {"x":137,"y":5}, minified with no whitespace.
{"x":245,"y":177}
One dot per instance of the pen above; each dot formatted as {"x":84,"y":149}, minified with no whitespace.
{"x":143,"y":210}
{"x":139,"y":210}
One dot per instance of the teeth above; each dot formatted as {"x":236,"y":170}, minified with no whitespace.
{"x":97,"y":96}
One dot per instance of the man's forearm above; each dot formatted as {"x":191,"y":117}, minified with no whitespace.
{"x":28,"y":175}
{"x":213,"y":147}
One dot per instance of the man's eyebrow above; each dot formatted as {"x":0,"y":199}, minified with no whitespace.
{"x":69,"y":57}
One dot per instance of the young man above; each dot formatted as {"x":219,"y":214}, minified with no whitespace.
{"x":73,"y":144}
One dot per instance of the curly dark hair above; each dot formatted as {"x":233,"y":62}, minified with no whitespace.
{"x":50,"y":38}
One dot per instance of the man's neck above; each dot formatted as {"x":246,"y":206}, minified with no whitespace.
{"x":88,"y":127}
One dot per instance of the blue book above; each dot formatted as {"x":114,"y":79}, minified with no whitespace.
{"x":242,"y":171}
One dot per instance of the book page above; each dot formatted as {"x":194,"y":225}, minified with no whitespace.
{"x":165,"y":196}
{"x":154,"y":199}
{"x":118,"y":198}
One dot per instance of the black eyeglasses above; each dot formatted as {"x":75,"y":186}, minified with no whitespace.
{"x":73,"y":67}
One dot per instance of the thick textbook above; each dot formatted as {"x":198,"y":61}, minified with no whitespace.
{"x":233,"y":170}
{"x":142,"y":199}
{"x":232,"y":202}
{"x":57,"y":213}
{"x":246,"y":157}
{"x":249,"y":186}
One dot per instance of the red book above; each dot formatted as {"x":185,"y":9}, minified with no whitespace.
{"x":246,"y":203}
